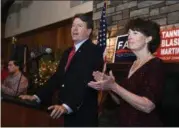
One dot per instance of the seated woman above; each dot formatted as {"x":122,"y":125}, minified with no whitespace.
{"x":141,"y":91}
{"x":16,"y":83}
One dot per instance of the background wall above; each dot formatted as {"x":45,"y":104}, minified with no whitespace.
{"x":28,"y":15}
{"x":164,"y":12}
{"x":41,"y":23}
{"x":58,"y":38}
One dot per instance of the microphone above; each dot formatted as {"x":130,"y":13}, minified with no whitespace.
{"x":47,"y":51}
{"x":33,"y":57}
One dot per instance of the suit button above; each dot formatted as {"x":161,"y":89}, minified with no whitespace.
{"x":63,"y":85}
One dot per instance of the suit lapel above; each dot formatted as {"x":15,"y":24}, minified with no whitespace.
{"x":78,"y":52}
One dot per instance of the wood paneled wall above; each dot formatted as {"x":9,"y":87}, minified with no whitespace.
{"x":64,"y":39}
{"x":45,"y":38}
{"x":58,"y":38}
{"x":55,"y":38}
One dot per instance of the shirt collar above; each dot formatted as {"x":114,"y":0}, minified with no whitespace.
{"x":15,"y":75}
{"x":77,"y":46}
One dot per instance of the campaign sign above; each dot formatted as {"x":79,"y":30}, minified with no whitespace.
{"x":122,"y":53}
{"x":169,"y":46}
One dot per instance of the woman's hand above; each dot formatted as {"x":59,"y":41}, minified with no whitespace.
{"x":103,"y":81}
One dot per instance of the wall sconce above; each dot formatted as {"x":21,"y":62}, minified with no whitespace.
{"x":14,"y":40}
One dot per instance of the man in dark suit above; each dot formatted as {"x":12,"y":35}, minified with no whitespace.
{"x":77,"y":101}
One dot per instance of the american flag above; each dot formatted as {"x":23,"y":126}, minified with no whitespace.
{"x":102,"y":30}
{"x":102,"y":37}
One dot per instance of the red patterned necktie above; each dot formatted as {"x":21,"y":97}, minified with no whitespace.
{"x":72,"y":53}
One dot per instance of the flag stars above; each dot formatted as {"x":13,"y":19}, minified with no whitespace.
{"x":103,"y":29}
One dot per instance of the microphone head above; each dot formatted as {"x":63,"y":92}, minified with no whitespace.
{"x":32,"y":54}
{"x":48,"y":50}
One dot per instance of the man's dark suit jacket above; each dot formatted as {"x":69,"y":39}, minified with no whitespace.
{"x":72,"y":85}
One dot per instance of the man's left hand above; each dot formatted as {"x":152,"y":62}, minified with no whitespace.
{"x":58,"y":110}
